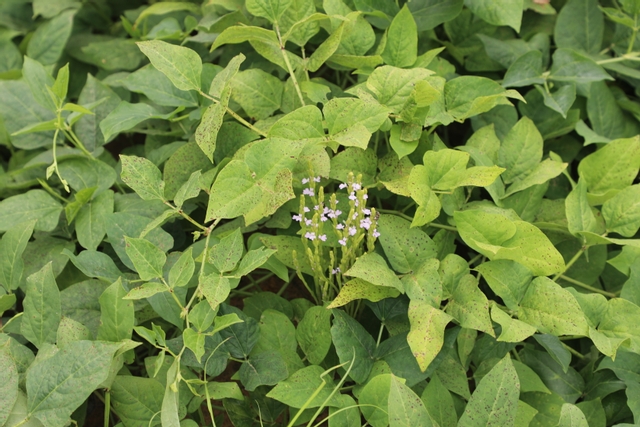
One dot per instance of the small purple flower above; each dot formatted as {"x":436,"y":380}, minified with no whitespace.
{"x":365,"y":196}
{"x":323,"y":237}
{"x":376,"y":234}
{"x":310,"y":235}
{"x":326,"y":210}
{"x":316,"y":207}
{"x":316,"y":179}
{"x":335,"y":270}
{"x":340,"y":227}
{"x":306,"y":209}
{"x":342,"y":186}
{"x":352,"y":196}
{"x":343,"y":242}
{"x":323,"y":218}
{"x":305,"y":180}
{"x":297,"y":218}
{"x":366,"y":211}
{"x":355,"y":215}
{"x":356,"y":202}
{"x":309,"y":192}
{"x":356,"y":186}
{"x":308,"y":222}
{"x":365,"y":223}
{"x":352,"y":231}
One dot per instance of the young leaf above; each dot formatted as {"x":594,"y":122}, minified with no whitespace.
{"x":360,"y":289}
{"x":143,"y":177}
{"x":116,"y":314}
{"x":42,"y":309}
{"x":513,"y":330}
{"x":215,"y":289}
{"x":38,"y":79}
{"x":147,"y":258}
{"x":495,"y":400}
{"x":181,"y":65}
{"x":579,"y":214}
{"x":226,"y":254}
{"x":401,"y":49}
{"x":182,"y":271}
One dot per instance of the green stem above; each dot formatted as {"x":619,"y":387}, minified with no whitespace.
{"x":107,"y":407}
{"x":570,"y":263}
{"x":574,"y":351}
{"x":392,"y":212}
{"x":633,"y":34}
{"x":380,"y":334}
{"x":443,"y":226}
{"x":288,"y":63}
{"x":235,"y":115}
{"x":76,"y":141}
{"x":587,"y":287}
{"x":185,"y":216}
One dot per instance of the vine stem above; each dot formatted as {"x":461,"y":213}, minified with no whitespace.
{"x":288,"y":63}
{"x":107,"y":407}
{"x":185,"y":216}
{"x":235,"y":115}
{"x":570,"y":263}
{"x":587,"y":287}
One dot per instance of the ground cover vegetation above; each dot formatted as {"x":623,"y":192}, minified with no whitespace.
{"x":319,"y":212}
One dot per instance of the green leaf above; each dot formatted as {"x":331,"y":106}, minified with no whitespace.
{"x":468,"y":96}
{"x":498,"y":12}
{"x":267,"y":368}
{"x":439,"y":403}
{"x":182,"y":271}
{"x":38,"y":79}
{"x":147,"y":258}
{"x":194,"y":341}
{"x":240,"y":34}
{"x":42,"y":308}
{"x":270,"y":9}
{"x":258,"y":93}
{"x":618,"y":320}
{"x":12,"y":246}
{"x":314,"y":334}
{"x":469,"y":306}
{"x":143,"y":177}
{"x":305,"y":122}
{"x":215,"y":289}
{"x":552,"y":309}
{"x":525,"y":71}
{"x":226,"y":254}
{"x":252,"y":260}
{"x":171,"y":401}
{"x":405,"y":407}
{"x":555,"y":348}
{"x":579,"y":214}
{"x":6,"y":302}
{"x":158,"y":88}
{"x":580,"y":26}
{"x":373,"y":268}
{"x":561,"y":100}
{"x":325,"y":50}
{"x":32,"y":205}
{"x":361,"y":289}
{"x":542,"y":173}
{"x":87,"y":127}
{"x":95,"y":264}
{"x":507,"y":279}
{"x":80,"y":368}
{"x":91,"y":220}
{"x":613,"y":167}
{"x":69,"y":331}
{"x":8,"y":386}
{"x":207,"y":131}
{"x":512,"y":330}
{"x":406,"y":248}
{"x":181,"y":65}
{"x":605,"y":115}
{"x":401,"y":49}
{"x":48,"y":41}
{"x":571,"y":66}
{"x":495,"y":400}
{"x":116,"y":314}
{"x":393,"y":87}
{"x":126,"y":116}
{"x":431,"y":13}
{"x":427,"y":332}
{"x":348,"y":115}
{"x":136,"y":399}
{"x":299,"y":387}
{"x":622,"y":212}
{"x":520,"y":151}
{"x":353,"y":341}
{"x":572,"y":416}
{"x":164,"y":8}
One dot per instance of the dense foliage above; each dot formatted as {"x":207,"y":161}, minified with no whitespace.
{"x":319,"y":212}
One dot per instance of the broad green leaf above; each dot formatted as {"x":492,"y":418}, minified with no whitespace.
{"x":572,"y":416}
{"x":401,"y":49}
{"x":469,"y":306}
{"x":158,"y":88}
{"x":226,"y":254}
{"x":91,"y":220}
{"x":314,"y":334}
{"x":343,"y":115}
{"x":393,"y":86}
{"x":6,"y":302}
{"x":95,"y":264}
{"x":276,"y":333}
{"x":427,"y":332}
{"x":521,"y":151}
{"x":555,"y":348}
{"x":406,"y":248}
{"x":116,"y":314}
{"x":299,"y":22}
{"x":143,"y":177}
{"x":325,"y":50}
{"x":513,"y":330}
{"x":147,"y":258}
{"x":240,"y":34}
{"x":428,"y":202}
{"x":194,"y":341}
{"x":169,"y":416}
{"x":164,"y":8}
{"x":305,"y":122}
{"x":12,"y":246}
{"x":8,"y":385}
{"x":88,"y":126}
{"x":425,"y":284}
{"x":405,"y":407}
{"x":201,"y":316}
{"x":82,"y":173}
{"x":69,"y":331}
{"x":181,"y":65}
{"x":495,"y":400}
{"x":468,"y":96}
{"x":561,"y":100}
{"x":431,"y":13}
{"x":372,"y":268}
{"x":42,"y":308}
{"x":573,"y":67}
{"x":525,"y":71}
{"x":356,"y":289}
{"x":285,"y":247}
{"x":270,"y":9}
{"x":507,"y":279}
{"x":38,"y":79}
{"x":613,"y":167}
{"x":257,"y":92}
{"x":182,"y":271}
{"x":622,"y":212}
{"x":215,"y":289}
{"x":299,"y":387}
{"x":579,"y":214}
{"x":207,"y":131}
{"x":570,"y":385}
{"x":188,"y":190}
{"x":605,"y":115}
{"x":618,"y":320}
{"x":32,"y":205}
{"x":252,"y":260}
{"x":439,"y":403}
{"x":353,"y":341}
{"x":374,"y":397}
{"x":126,"y":116}
{"x":498,"y":12}
{"x":49,"y":40}
{"x":136,"y":399}
{"x":542,"y":173}
{"x":105,"y":52}
{"x":240,"y":337}
{"x":552,"y":309}
{"x":580,"y":26}
{"x":267,"y":368}
{"x":80,"y":368}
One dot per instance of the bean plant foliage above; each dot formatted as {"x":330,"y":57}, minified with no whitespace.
{"x":320,"y":212}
